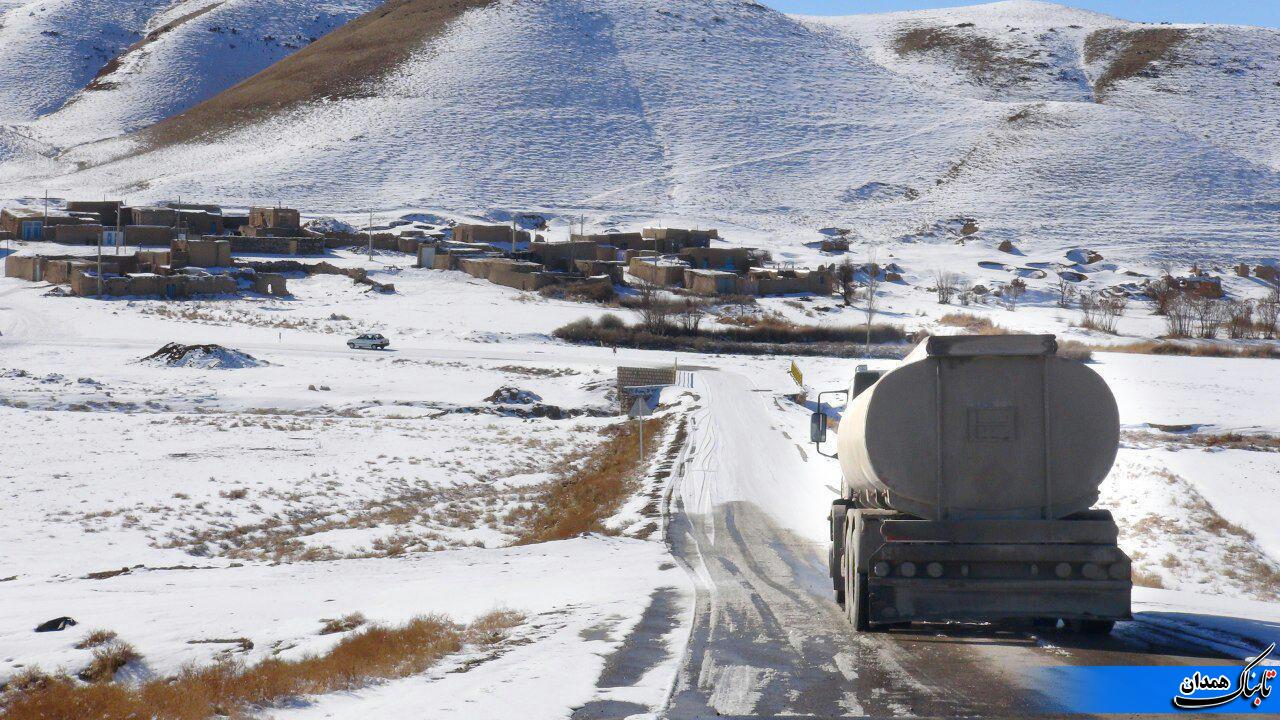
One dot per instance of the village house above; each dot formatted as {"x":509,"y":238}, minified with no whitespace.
{"x":107,"y":213}
{"x":715,"y":282}
{"x":730,"y":259}
{"x":489,"y":234}
{"x":820,"y":281}
{"x":205,"y":253}
{"x":29,"y":224}
{"x":274,"y":222}
{"x":657,"y":270}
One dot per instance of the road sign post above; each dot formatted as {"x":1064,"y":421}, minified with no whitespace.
{"x":639,"y":409}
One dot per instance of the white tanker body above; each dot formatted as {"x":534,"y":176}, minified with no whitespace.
{"x":969,"y":471}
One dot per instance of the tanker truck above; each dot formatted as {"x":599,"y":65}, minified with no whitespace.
{"x":969,"y":475}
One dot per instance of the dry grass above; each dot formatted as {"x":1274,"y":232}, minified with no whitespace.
{"x":95,"y":638}
{"x":581,"y":500}
{"x":1194,"y":349}
{"x":980,"y":56}
{"x":346,"y":623}
{"x":343,"y":64}
{"x":982,"y":325}
{"x":1132,"y":52}
{"x":107,"y":661}
{"x":232,"y":690}
{"x":1227,"y":440}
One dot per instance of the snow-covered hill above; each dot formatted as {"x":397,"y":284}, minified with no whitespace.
{"x":84,"y":70}
{"x":1050,"y":126}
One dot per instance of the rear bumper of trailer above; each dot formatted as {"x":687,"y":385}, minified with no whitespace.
{"x":895,"y":600}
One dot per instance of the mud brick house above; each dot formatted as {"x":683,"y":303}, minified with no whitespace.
{"x":107,"y":213}
{"x":206,"y":252}
{"x":733,"y":259}
{"x":154,"y":216}
{"x":670,"y":240}
{"x":74,"y":234}
{"x":563,"y":255}
{"x":139,"y":235}
{"x":820,"y":281}
{"x":274,"y":222}
{"x":664,"y":272}
{"x":488,"y":234}
{"x":715,"y":282}
{"x":28,"y":224}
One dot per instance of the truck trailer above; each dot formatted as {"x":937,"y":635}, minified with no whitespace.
{"x":970,"y":472}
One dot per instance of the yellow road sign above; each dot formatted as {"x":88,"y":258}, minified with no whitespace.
{"x":796,"y":374}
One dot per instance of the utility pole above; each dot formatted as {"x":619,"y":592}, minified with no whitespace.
{"x":45,"y":224}
{"x":513,"y":234}
{"x":99,"y":264}
{"x":369,"y":227}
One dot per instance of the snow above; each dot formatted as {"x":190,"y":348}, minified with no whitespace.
{"x":655,"y":131}
{"x":326,"y":481}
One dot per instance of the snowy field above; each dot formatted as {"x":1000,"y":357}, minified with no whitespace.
{"x":180,"y":504}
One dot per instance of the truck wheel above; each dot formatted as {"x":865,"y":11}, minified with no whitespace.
{"x":856,"y":605}
{"x":1091,"y":627}
{"x":837,"y":579}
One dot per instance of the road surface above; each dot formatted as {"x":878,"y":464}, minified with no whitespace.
{"x":748,"y":521}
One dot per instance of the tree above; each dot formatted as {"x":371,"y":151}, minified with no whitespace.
{"x":655,"y":312}
{"x":872,"y":283}
{"x":1269,"y":314}
{"x":947,"y":283}
{"x":846,"y":281}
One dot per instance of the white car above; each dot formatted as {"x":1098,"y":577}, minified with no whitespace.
{"x":370,"y":341}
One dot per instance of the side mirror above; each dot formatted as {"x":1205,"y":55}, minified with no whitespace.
{"x":818,"y":427}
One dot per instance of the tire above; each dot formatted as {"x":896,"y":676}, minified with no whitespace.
{"x":858,"y":607}
{"x":351,"y":345}
{"x":837,"y":580}
{"x":1091,"y":627}
{"x":855,"y":586}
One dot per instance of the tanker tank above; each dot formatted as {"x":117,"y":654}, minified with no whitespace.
{"x":981,"y":427}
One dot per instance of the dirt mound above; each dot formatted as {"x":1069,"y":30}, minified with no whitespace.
{"x":202,"y":356}
{"x":341,"y":64}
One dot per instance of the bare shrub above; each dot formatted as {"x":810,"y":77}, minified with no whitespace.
{"x":107,"y":660}
{"x":1209,"y":315}
{"x":974,"y":324}
{"x":690,"y":315}
{"x":1239,"y":319}
{"x":947,"y":283}
{"x":1195,"y":349}
{"x":1179,"y":315}
{"x":95,"y":638}
{"x":1012,"y":292}
{"x":1066,"y":291}
{"x":346,"y":623}
{"x":1102,"y":312}
{"x":231,"y":689}
{"x":1163,"y":292}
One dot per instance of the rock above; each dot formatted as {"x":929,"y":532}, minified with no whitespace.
{"x":508,"y":395}
{"x":1006,"y":246}
{"x":56,"y":624}
{"x":202,"y":356}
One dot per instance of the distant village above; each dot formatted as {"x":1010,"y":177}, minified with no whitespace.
{"x":182,"y":250}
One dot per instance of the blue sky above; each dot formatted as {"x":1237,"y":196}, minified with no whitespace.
{"x":1244,"y":12}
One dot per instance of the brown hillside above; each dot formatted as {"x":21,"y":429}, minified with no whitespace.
{"x":1132,"y":52}
{"x":338,"y":65}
